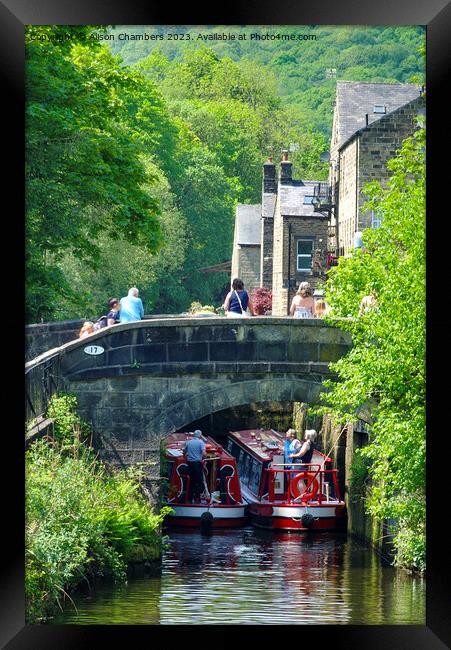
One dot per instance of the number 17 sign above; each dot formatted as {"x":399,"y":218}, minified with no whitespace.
{"x":94,"y":349}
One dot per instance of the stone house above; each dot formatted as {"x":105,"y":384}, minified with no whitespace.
{"x":301,"y":225}
{"x":299,"y":238}
{"x":370,"y":122}
{"x":282,"y":241}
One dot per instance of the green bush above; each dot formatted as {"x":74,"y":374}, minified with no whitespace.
{"x":81,"y":520}
{"x":358,"y":477}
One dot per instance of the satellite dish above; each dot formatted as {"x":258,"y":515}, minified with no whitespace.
{"x":325,"y":156}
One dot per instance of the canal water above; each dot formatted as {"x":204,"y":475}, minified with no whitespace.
{"x":248,"y":576}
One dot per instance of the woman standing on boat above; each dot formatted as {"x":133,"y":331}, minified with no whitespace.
{"x":305,"y":453}
{"x":290,"y":446}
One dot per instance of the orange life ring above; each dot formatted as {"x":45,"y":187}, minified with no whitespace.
{"x":312,"y":488}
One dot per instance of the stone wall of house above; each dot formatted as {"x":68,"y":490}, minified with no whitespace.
{"x":364,"y":159}
{"x":300,"y":227}
{"x":348,"y":185}
{"x":279,"y":292}
{"x":249,"y":267}
{"x":378,"y":144}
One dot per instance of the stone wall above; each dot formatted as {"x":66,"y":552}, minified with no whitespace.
{"x":348,"y":196}
{"x":42,"y":337}
{"x":45,"y":336}
{"x":248,"y":268}
{"x":364,"y":159}
{"x":310,"y":227}
{"x":378,"y":144}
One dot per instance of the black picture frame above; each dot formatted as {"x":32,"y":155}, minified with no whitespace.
{"x":436,"y":14}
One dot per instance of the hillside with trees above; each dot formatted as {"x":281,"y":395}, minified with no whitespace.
{"x":138,"y":152}
{"x":303,"y":71}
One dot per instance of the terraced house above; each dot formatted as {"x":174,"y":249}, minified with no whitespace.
{"x":301,"y":226}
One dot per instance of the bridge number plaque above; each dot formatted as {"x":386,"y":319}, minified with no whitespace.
{"x":94,"y":349}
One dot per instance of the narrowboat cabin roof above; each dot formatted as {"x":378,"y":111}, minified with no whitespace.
{"x":175,"y":443}
{"x":264,"y":444}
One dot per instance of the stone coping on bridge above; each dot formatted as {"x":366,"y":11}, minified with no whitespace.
{"x":213,"y":331}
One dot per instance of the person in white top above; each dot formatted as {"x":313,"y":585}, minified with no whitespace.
{"x":368,"y":302}
{"x":303,"y":302}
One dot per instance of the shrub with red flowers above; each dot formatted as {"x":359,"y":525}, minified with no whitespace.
{"x":261,"y":301}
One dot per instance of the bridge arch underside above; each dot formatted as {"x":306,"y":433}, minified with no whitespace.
{"x":131,"y":416}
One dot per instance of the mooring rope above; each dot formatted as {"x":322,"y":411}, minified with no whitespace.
{"x":334,"y":445}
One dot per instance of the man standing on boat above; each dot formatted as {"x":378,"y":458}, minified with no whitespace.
{"x":194,"y":452}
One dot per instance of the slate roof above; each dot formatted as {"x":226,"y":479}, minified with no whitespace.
{"x":248,"y":224}
{"x":291,"y":198}
{"x":356,"y":98}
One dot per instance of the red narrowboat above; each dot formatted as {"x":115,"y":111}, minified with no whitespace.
{"x":305,"y":498}
{"x":221,"y":503}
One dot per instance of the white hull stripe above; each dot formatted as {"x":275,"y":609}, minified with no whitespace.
{"x":298,"y":512}
{"x":218,"y":513}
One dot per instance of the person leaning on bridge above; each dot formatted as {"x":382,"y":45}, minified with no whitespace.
{"x":131,"y":307}
{"x":320,"y":308}
{"x":303,"y":302}
{"x":87,"y":329}
{"x":237,"y":301}
{"x":194,"y":452}
{"x":113,"y":315}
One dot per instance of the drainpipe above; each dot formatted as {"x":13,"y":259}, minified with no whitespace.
{"x":336,"y":208}
{"x":289,"y":268}
{"x":356,"y":225}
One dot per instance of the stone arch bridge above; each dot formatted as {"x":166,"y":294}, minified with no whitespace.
{"x":154,"y":377}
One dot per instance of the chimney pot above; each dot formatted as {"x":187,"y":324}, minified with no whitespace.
{"x":269,"y":177}
{"x":285,"y":168}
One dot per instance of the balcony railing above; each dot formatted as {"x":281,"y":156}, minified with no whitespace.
{"x":322,"y":198}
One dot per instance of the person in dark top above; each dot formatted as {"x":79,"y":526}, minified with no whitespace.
{"x":237,"y":301}
{"x":113,"y":315}
{"x":305,"y":453}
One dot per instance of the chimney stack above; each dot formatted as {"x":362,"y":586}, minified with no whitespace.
{"x":285,"y":168}
{"x":269,"y":177}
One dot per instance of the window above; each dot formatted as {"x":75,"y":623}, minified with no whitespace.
{"x":376,"y":219}
{"x":304,"y":255}
{"x":254,"y":479}
{"x":308,"y":199}
{"x":379,"y":108}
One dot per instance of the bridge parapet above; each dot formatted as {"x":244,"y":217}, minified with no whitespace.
{"x":181,"y":346}
{"x":155,"y":377}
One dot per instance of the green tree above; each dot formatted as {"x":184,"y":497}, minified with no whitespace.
{"x":84,"y":173}
{"x":385,"y":370}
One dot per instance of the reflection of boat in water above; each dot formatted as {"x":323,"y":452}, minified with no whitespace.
{"x":304,"y":498}
{"x":221,"y":503}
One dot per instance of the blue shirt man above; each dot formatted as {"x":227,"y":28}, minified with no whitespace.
{"x":195,"y":448}
{"x":131,"y":307}
{"x":194,"y":451}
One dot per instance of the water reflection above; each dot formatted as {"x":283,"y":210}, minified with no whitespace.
{"x":251,"y":576}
